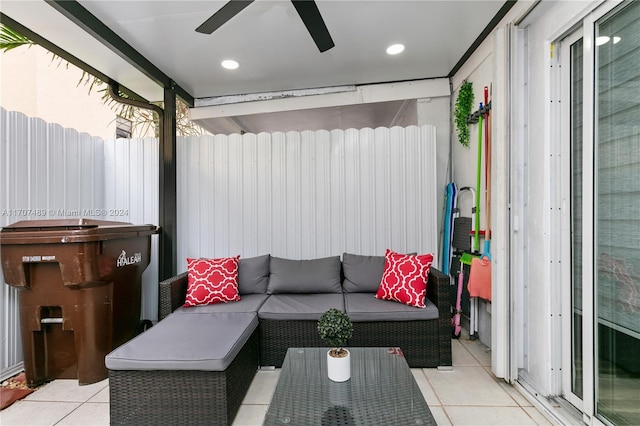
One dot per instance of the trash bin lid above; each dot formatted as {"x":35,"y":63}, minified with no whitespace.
{"x":71,"y":231}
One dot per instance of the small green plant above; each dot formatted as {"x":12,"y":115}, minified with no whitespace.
{"x":462,"y":110}
{"x":335,"y":328}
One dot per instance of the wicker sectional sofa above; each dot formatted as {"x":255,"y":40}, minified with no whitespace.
{"x":281,"y":301}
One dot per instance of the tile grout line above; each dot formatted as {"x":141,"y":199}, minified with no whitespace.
{"x":445,"y":407}
{"x":433,"y":389}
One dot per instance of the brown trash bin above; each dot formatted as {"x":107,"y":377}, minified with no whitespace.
{"x":80,"y":292}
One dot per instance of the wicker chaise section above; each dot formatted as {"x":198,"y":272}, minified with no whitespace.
{"x":161,"y":397}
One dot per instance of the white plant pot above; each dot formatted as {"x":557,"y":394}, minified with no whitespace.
{"x":339,"y":369}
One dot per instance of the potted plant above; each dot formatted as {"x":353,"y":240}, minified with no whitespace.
{"x":335,"y":328}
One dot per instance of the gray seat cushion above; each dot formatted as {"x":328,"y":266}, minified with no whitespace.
{"x":253,"y":274}
{"x":305,"y":276}
{"x":299,"y":306}
{"x":247,"y":303}
{"x":364,"y":307}
{"x":207,"y":342}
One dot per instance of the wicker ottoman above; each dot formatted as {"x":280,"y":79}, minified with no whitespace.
{"x":187,"y":369}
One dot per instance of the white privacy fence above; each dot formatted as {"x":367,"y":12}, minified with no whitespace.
{"x":308,"y":194}
{"x":296,"y":195}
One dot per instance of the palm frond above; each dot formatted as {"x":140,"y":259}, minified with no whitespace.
{"x":142,"y":119}
{"x":10,"y":39}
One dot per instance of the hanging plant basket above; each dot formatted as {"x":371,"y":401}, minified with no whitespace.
{"x":462,"y":110}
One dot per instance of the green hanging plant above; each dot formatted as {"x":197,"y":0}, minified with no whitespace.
{"x":462,"y":110}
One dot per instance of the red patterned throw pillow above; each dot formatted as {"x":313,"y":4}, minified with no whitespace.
{"x":405,"y":278}
{"x":212,"y":281}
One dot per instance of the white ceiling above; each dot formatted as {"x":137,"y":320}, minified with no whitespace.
{"x":269,"y":41}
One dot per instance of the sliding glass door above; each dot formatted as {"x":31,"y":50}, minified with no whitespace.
{"x":617,"y":214}
{"x":603,"y":90}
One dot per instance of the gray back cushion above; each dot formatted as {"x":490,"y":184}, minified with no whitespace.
{"x":253,"y":274}
{"x":305,"y":276}
{"x":362,"y":274}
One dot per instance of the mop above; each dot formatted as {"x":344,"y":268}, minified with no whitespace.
{"x":473,"y":302}
{"x":480,"y":275}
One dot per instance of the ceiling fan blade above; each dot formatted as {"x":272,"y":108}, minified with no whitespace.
{"x":226,"y":12}
{"x":310,"y":15}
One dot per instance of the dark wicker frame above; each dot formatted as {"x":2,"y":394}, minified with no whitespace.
{"x":277,"y":336}
{"x":148,"y":397}
{"x":424,"y":343}
{"x":171,"y":294}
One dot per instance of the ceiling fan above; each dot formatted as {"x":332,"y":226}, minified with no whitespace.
{"x":307,"y":9}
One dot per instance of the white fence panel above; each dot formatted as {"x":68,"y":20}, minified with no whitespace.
{"x":47,"y":172}
{"x":307,"y":194}
{"x":131,"y":195}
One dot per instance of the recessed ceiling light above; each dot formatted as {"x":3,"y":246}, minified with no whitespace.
{"x":616,"y":40}
{"x":230,"y":64}
{"x":602,"y":40}
{"x":394,"y":49}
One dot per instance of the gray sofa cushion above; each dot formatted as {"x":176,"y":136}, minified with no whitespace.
{"x":247,"y":303}
{"x":253,"y":274}
{"x":305,"y":276}
{"x":364,"y":307}
{"x":362,"y":274}
{"x":299,"y":306}
{"x":207,"y":342}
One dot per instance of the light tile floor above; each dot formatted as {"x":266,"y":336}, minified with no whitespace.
{"x":467,"y":395}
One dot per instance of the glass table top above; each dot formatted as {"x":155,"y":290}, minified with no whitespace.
{"x":381,"y":391}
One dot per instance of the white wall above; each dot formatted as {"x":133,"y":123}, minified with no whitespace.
{"x":490,"y":66}
{"x":38,"y":86}
{"x":435,"y":112}
{"x":535,"y":153}
{"x":480,"y":71}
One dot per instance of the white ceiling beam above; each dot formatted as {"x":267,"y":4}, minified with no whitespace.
{"x":364,"y":94}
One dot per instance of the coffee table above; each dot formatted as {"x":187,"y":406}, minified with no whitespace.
{"x":381,"y":391}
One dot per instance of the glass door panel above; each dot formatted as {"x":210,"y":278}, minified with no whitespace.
{"x":617,"y":215}
{"x":576,"y":96}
